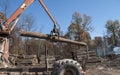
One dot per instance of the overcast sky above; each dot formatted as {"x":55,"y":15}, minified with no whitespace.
{"x":62,"y":10}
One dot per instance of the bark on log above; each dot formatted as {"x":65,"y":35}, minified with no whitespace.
{"x":49,"y":37}
{"x":4,"y":33}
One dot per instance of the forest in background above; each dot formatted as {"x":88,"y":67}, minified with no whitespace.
{"x":78,"y":30}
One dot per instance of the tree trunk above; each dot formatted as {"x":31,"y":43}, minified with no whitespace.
{"x":49,"y":37}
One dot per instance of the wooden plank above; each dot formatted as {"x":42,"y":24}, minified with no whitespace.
{"x":25,"y":69}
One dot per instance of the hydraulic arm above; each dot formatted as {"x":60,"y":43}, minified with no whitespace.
{"x":6,"y":30}
{"x":55,"y":30}
{"x":16,"y":14}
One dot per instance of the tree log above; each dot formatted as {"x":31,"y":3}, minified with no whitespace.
{"x":4,"y":33}
{"x":50,"y":37}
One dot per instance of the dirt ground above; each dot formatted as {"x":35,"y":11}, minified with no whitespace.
{"x":100,"y":70}
{"x":106,"y":67}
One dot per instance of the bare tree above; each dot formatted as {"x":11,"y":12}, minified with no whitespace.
{"x":80,"y":26}
{"x":4,"y":6}
{"x":79,"y":31}
{"x":83,"y":21}
{"x":113,"y":28}
{"x":26,"y":23}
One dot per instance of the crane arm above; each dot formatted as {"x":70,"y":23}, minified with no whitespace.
{"x":47,"y":11}
{"x":4,"y":52}
{"x":18,"y":12}
{"x":55,"y":31}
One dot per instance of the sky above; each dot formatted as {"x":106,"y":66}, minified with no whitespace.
{"x":62,"y":10}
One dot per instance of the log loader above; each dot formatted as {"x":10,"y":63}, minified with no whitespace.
{"x":5,"y":32}
{"x":61,"y":67}
{"x":64,"y":66}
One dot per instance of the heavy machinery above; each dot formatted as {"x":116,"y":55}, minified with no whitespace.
{"x":6,"y":30}
{"x":60,"y":67}
{"x":64,"y":66}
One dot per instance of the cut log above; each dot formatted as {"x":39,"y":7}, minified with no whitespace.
{"x":49,"y":37}
{"x":4,"y":33}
